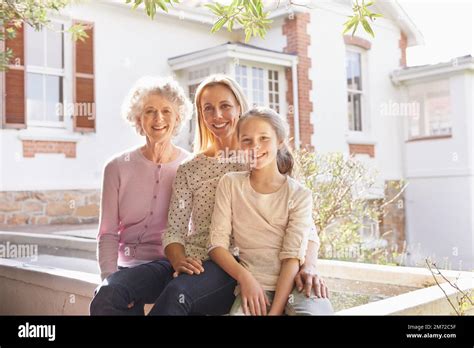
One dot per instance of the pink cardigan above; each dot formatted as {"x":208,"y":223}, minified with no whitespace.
{"x":134,"y":210}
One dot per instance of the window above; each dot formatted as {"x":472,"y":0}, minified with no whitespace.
{"x":260,"y":85}
{"x":434,"y":113}
{"x":45,"y":75}
{"x":198,"y":74}
{"x":273,"y":90}
{"x":257,"y":87}
{"x":241,"y":77}
{"x":354,"y":90}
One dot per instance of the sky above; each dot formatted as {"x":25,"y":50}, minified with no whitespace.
{"x":447,"y":27}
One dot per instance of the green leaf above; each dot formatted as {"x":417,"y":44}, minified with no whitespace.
{"x":355,"y":28}
{"x":218,"y":25}
{"x":137,"y":3}
{"x":230,"y":25}
{"x":162,"y":5}
{"x":350,"y":23}
{"x":78,"y":32}
{"x":375,"y":15}
{"x":367,"y":27}
{"x":248,"y":34}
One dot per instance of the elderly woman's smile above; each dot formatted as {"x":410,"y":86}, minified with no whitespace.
{"x":159,"y":117}
{"x":159,"y":128}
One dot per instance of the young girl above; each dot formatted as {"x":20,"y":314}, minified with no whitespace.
{"x":267,"y":213}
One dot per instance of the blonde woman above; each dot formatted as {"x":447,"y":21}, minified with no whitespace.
{"x":200,"y":286}
{"x":136,"y":193}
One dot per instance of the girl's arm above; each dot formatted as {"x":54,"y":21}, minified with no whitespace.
{"x":289,"y":269}
{"x":253,"y":296}
{"x":254,"y":300}
{"x":295,"y":243}
{"x":228,"y":263}
{"x":179,"y":213}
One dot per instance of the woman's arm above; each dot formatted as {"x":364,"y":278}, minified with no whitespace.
{"x":179,"y":213}
{"x":108,"y":237}
{"x":307,"y":278}
{"x":181,"y":263}
{"x":289,"y":269}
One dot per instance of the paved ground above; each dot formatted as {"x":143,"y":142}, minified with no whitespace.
{"x":84,"y":231}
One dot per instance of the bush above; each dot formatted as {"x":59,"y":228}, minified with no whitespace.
{"x":345,"y":206}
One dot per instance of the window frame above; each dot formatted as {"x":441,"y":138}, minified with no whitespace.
{"x":419,"y":93}
{"x":266,"y":91}
{"x":364,"y":92}
{"x":63,"y":73}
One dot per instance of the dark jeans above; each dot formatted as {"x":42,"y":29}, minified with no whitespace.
{"x":209,"y":293}
{"x":141,"y":284}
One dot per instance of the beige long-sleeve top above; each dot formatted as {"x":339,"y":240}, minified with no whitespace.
{"x":266,"y":228}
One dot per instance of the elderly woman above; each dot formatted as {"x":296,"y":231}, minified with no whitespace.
{"x":136,"y":194}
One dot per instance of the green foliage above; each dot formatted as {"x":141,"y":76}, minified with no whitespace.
{"x":152,"y":5}
{"x":249,"y":14}
{"x":361,"y":15}
{"x":341,"y":190}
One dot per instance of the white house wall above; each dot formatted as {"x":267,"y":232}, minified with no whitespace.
{"x":440,"y":194}
{"x":329,"y":94}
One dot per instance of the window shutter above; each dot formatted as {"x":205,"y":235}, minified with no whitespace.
{"x":14,"y":109}
{"x":84,"y":91}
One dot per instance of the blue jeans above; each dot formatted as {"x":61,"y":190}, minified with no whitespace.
{"x":209,"y":293}
{"x":141,"y":284}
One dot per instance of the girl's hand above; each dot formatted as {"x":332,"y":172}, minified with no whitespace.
{"x":254,"y":299}
{"x":188,"y":265}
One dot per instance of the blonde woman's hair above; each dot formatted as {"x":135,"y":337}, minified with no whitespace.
{"x":167,"y":87}
{"x":285,"y":158}
{"x":204,"y":137}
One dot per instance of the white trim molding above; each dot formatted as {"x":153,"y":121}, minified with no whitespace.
{"x":437,"y":71}
{"x":232,"y":51}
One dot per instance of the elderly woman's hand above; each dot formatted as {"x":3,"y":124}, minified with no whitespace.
{"x":308,"y":279}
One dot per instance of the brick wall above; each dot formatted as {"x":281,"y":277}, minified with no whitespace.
{"x":403,"y":44}
{"x":355,"y":149}
{"x":393,"y":220}
{"x":357,"y":41}
{"x":32,"y":147}
{"x":298,"y":40}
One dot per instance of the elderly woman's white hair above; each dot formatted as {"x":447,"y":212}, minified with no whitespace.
{"x":132,"y":106}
